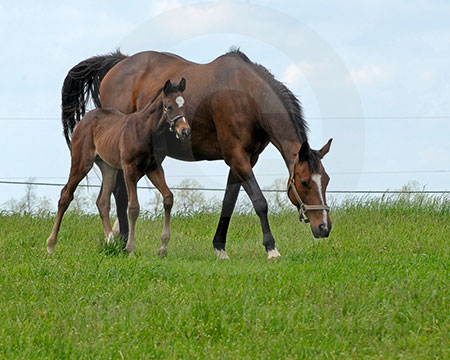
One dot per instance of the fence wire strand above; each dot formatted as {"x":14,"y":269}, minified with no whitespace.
{"x":222,"y":190}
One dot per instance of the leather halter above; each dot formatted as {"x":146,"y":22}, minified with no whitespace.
{"x":302,"y":207}
{"x":172,"y":121}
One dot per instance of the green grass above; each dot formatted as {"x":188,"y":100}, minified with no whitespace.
{"x":378,"y":287}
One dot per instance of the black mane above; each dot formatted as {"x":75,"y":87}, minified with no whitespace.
{"x":289,"y":100}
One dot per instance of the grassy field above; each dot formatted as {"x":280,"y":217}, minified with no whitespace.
{"x":377,"y":288}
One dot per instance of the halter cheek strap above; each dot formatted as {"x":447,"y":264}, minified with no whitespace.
{"x":302,"y":208}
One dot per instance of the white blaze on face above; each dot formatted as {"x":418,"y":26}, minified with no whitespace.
{"x":317,"y":178}
{"x":180,"y":101}
{"x":183,"y":119}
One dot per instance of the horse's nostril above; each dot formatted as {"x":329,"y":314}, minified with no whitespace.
{"x":323,"y":227}
{"x":186,"y":132}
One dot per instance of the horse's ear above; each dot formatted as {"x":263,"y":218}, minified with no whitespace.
{"x":167,"y":87}
{"x":182,"y":85}
{"x":303,"y":154}
{"x":325,"y":149}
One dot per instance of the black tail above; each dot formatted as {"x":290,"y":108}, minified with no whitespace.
{"x":81,"y":84}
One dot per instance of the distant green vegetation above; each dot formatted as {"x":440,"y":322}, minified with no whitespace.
{"x":377,"y":288}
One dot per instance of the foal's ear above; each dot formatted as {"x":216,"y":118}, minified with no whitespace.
{"x":325,"y":149}
{"x":303,"y":154}
{"x":182,"y":85}
{"x":167,"y":87}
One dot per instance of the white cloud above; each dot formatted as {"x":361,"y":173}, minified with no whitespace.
{"x":426,"y":75}
{"x":165,"y":5}
{"x":296,"y":72}
{"x":110,"y":25}
{"x":369,"y":74}
{"x":198,"y":19}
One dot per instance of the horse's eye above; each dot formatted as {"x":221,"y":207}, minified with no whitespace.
{"x":304,"y":183}
{"x":170,"y":108}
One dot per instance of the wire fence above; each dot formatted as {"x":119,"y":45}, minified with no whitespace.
{"x":222,"y":190}
{"x":387,"y":172}
{"x":402,"y":117}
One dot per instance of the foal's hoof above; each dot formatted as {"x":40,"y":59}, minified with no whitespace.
{"x":273,"y":254}
{"x":50,"y":246}
{"x":162,"y":252}
{"x":222,"y":255}
{"x":110,"y":238}
{"x":116,"y":228}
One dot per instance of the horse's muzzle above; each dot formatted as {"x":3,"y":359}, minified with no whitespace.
{"x":185,"y":134}
{"x":321,"y":231}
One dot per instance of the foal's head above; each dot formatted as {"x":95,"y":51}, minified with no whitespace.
{"x":173,"y":107}
{"x":306,"y":189}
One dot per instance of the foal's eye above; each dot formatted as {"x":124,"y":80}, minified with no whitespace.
{"x":304,"y":183}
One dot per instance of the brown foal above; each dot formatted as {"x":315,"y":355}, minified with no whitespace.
{"x":131,"y":142}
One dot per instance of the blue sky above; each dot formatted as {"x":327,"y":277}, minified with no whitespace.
{"x":377,"y":71}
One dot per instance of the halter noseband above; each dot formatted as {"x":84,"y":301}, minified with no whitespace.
{"x":172,"y":121}
{"x":302,"y":207}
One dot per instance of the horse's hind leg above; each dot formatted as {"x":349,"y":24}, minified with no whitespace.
{"x":157,"y":178}
{"x":132,"y":176}
{"x":121,"y":197}
{"x":104,"y":197}
{"x":77,"y":173}
{"x":228,"y":204}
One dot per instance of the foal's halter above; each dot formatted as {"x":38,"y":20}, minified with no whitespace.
{"x":302,"y":207}
{"x":172,"y":121}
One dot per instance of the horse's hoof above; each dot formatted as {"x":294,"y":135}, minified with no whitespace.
{"x":162,"y":252}
{"x":115,"y":228}
{"x":222,"y":255}
{"x":109,"y":238}
{"x":50,"y":245}
{"x":273,"y":254}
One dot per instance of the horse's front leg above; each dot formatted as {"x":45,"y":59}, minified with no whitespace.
{"x":242,"y":169}
{"x":132,"y":176}
{"x":260,"y":205}
{"x":156,"y":176}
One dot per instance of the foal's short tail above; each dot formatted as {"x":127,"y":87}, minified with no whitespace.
{"x":81,"y":84}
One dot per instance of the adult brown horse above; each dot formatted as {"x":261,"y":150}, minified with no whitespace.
{"x":237,"y":108}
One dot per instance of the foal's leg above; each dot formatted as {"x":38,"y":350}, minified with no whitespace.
{"x":229,"y":201}
{"x":157,"y":178}
{"x":104,"y":197}
{"x":78,"y":171}
{"x":132,"y":176}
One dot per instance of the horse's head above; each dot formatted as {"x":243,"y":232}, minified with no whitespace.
{"x":173,"y":105}
{"x":306,"y":189}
